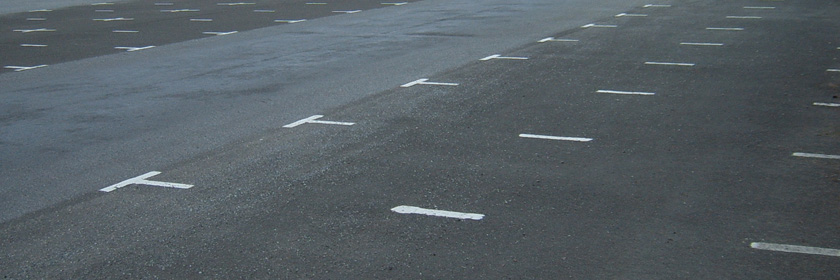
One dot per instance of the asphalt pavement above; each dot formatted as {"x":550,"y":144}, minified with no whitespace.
{"x":431,"y":140}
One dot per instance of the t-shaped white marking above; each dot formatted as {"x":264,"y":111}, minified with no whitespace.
{"x":141,"y":180}
{"x":424,"y":82}
{"x":134,"y":49}
{"x":24,"y":68}
{"x":498,"y":56}
{"x":313,"y":119}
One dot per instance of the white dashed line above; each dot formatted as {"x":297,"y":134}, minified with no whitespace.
{"x":33,"y":45}
{"x":592,"y":25}
{"x":701,"y":44}
{"x":795,"y":249}
{"x":201,"y":19}
{"x":559,"y":138}
{"x":102,"y":4}
{"x":164,"y":4}
{"x":395,"y":3}
{"x":832,"y":70}
{"x":265,"y":11}
{"x":348,"y":12}
{"x":759,"y":7}
{"x":103,"y":11}
{"x":403,"y":209}
{"x":630,"y":15}
{"x":40,"y":11}
{"x":134,"y":49}
{"x":314,"y":119}
{"x":656,"y":6}
{"x":34,"y":30}
{"x":219,"y":33}
{"x":125,"y":31}
{"x":810,"y":155}
{"x":141,"y":180}
{"x":36,"y":19}
{"x":725,"y":28}
{"x":498,"y":56}
{"x":625,"y":92}
{"x":424,"y":82}
{"x":743,"y":17}
{"x":826,"y":104}
{"x":552,"y":39}
{"x":113,"y":19}
{"x":669,"y":63}
{"x":24,"y":68}
{"x":180,"y":10}
{"x":236,"y":4}
{"x":290,"y":20}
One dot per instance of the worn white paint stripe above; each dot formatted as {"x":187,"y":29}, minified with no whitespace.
{"x":403,"y":209}
{"x":759,"y":7}
{"x":743,"y":17}
{"x":592,"y":25}
{"x":559,"y":138}
{"x":125,"y":31}
{"x":669,"y":63}
{"x":701,"y":44}
{"x":826,"y":104}
{"x":102,"y":4}
{"x":180,"y":10}
{"x":141,"y":180}
{"x":498,"y":56}
{"x":810,"y":155}
{"x":235,"y":4}
{"x":725,"y":28}
{"x":40,"y":11}
{"x":36,"y":19}
{"x":103,"y":11}
{"x":795,"y":249}
{"x":630,"y":15}
{"x":832,"y":70}
{"x":164,"y":4}
{"x":32,"y":45}
{"x":134,"y":49}
{"x":395,"y":3}
{"x":290,"y":20}
{"x":316,"y":3}
{"x":264,"y":11}
{"x":552,"y":39}
{"x":34,"y":30}
{"x":624,"y":92}
{"x":656,"y":6}
{"x":24,"y":68}
{"x":348,"y":12}
{"x":219,"y":33}
{"x":201,"y":19}
{"x":113,"y":19}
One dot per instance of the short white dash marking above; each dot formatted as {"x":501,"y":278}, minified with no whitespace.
{"x":669,"y":63}
{"x":264,"y":11}
{"x":795,"y":249}
{"x":498,"y":56}
{"x":832,"y":70}
{"x":725,"y":28}
{"x":40,"y":11}
{"x":592,"y":25}
{"x":201,"y":19}
{"x":33,"y":45}
{"x":395,"y":3}
{"x":624,"y":92}
{"x":559,"y":138}
{"x":34,"y":30}
{"x":701,"y":44}
{"x":810,"y":155}
{"x":164,"y":4}
{"x":314,"y":119}
{"x":656,"y":6}
{"x":348,"y":12}
{"x":403,"y":209}
{"x":290,"y":20}
{"x":141,"y":180}
{"x":134,"y":49}
{"x":113,"y":19}
{"x":24,"y":68}
{"x":236,"y":4}
{"x":743,"y":17}
{"x":36,"y":19}
{"x":103,"y":11}
{"x":316,"y":3}
{"x":630,"y":15}
{"x":425,"y":82}
{"x":826,"y":104}
{"x":219,"y":33}
{"x":759,"y":7}
{"x":102,"y":4}
{"x":180,"y":11}
{"x":125,"y":31}
{"x":552,"y":39}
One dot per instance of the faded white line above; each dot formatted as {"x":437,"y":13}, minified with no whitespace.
{"x":34,"y":30}
{"x":264,"y":11}
{"x":630,"y":15}
{"x":425,"y":82}
{"x":125,"y":31}
{"x":217,"y":33}
{"x":201,"y":19}
{"x":498,"y":56}
{"x":832,"y":70}
{"x":759,"y":7}
{"x":592,"y":25}
{"x":33,"y":45}
{"x":290,"y":20}
{"x":102,"y":4}
{"x":624,"y":92}
{"x":795,"y":249}
{"x":552,"y":39}
{"x":40,"y":11}
{"x":180,"y":11}
{"x":559,"y":138}
{"x":36,"y":19}
{"x":24,"y":68}
{"x":826,"y":104}
{"x":395,"y":3}
{"x":656,"y":6}
{"x":810,"y":155}
{"x":164,"y":4}
{"x":134,"y":49}
{"x":743,"y":17}
{"x":314,"y":119}
{"x":103,"y":11}
{"x":403,"y":209}
{"x":236,"y":4}
{"x":141,"y":180}
{"x":669,"y":63}
{"x":725,"y":28}
{"x":701,"y":44}
{"x":316,"y":3}
{"x":113,"y":19}
{"x":348,"y":12}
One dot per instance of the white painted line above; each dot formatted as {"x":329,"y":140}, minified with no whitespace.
{"x":40,"y":11}
{"x":832,"y":70}
{"x":701,"y":44}
{"x":290,"y":20}
{"x":630,"y":15}
{"x":656,"y":6}
{"x":36,"y":19}
{"x":403,"y":209}
{"x":669,"y":63}
{"x":592,"y":25}
{"x":826,"y":104}
{"x":34,"y":30}
{"x":164,"y":4}
{"x":265,"y":11}
{"x":125,"y":31}
{"x":424,"y":82}
{"x":810,"y":155}
{"x":141,"y":180}
{"x":795,"y":249}
{"x":33,"y":45}
{"x":236,"y":4}
{"x":316,"y":3}
{"x":219,"y":33}
{"x":314,"y":119}
{"x":348,"y":12}
{"x":103,"y":11}
{"x":102,"y":4}
{"x":395,"y":3}
{"x":24,"y":68}
{"x":743,"y":17}
{"x":559,"y":138}
{"x":725,"y":28}
{"x":201,"y":19}
{"x":552,"y":39}
{"x":624,"y":92}
{"x":759,"y":7}
{"x":498,"y":56}
{"x":113,"y":19}
{"x":134,"y":49}
{"x":180,"y":10}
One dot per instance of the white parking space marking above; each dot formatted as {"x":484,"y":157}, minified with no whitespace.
{"x":552,"y":39}
{"x":826,"y":104}
{"x":180,"y":10}
{"x":395,"y":3}
{"x":795,"y":249}
{"x":403,"y":209}
{"x":40,"y":11}
{"x":290,"y":20}
{"x":314,"y":119}
{"x":24,"y":68}
{"x":701,"y":44}
{"x":656,"y":6}
{"x":498,"y":56}
{"x":624,"y":92}
{"x":424,"y":82}
{"x":743,"y":17}
{"x":141,"y":180}
{"x":102,"y":4}
{"x":217,"y":33}
{"x":810,"y":155}
{"x":832,"y":70}
{"x":125,"y":31}
{"x":316,"y":3}
{"x":630,"y":15}
{"x":113,"y":19}
{"x":36,"y":19}
{"x":558,"y":138}
{"x":759,"y":7}
{"x":669,"y":63}
{"x":265,"y":11}
{"x":348,"y":12}
{"x":103,"y":11}
{"x":134,"y":49}
{"x":34,"y":30}
{"x":201,"y":19}
{"x":236,"y":4}
{"x":592,"y":25}
{"x":33,"y":45}
{"x":725,"y":28}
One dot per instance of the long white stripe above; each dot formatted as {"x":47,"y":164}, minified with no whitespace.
{"x":552,"y":39}
{"x":725,"y":28}
{"x":624,"y":92}
{"x":669,"y":63}
{"x":810,"y":155}
{"x":656,"y":6}
{"x":760,"y":8}
{"x":743,"y":17}
{"x":826,"y":104}
{"x":560,"y":138}
{"x":832,"y":70}
{"x":32,"y":45}
{"x":701,"y":44}
{"x":795,"y":249}
{"x":403,"y":209}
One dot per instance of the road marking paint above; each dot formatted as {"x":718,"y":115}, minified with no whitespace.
{"x":125,"y":31}
{"x":701,"y":44}
{"x":236,"y":4}
{"x":201,"y":19}
{"x":290,"y":20}
{"x":743,"y":17}
{"x":113,"y":19}
{"x":24,"y":68}
{"x":36,"y":19}
{"x":599,"y":26}
{"x":134,"y":49}
{"x":395,"y":3}
{"x":795,"y":249}
{"x":498,"y":56}
{"x":559,"y":138}
{"x":630,"y":15}
{"x":424,"y":82}
{"x":759,"y":7}
{"x":102,"y":4}
{"x":669,"y":63}
{"x":164,"y":4}
{"x":316,"y":3}
{"x":34,"y":30}
{"x":826,"y":104}
{"x":265,"y":11}
{"x":725,"y":28}
{"x":348,"y":12}
{"x":624,"y":92}
{"x":552,"y":39}
{"x":314,"y":119}
{"x":810,"y":155}
{"x":180,"y":10}
{"x":103,"y":11}
{"x":32,"y":45}
{"x":141,"y":180}
{"x":656,"y":6}
{"x":832,"y":70}
{"x":403,"y":209}
{"x":219,"y":33}
{"x":40,"y":11}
